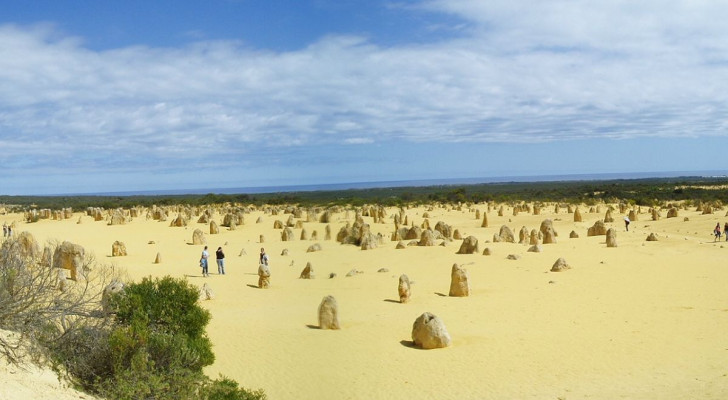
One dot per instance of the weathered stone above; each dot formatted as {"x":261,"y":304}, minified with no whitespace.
{"x":314,"y":247}
{"x":469,"y":245}
{"x":263,"y":276}
{"x":547,"y":231}
{"x":427,"y":238}
{"x":328,"y":313}
{"x":307,"y":272}
{"x":404,"y":289}
{"x":611,"y":237}
{"x":505,"y":235}
{"x":118,"y":249}
{"x":198,"y":237}
{"x":597,"y":229}
{"x":459,"y":285}
{"x":206,"y":292}
{"x":429,"y":332}
{"x":110,"y":290}
{"x":287,"y":235}
{"x":560,"y":265}
{"x":652,"y":237}
{"x":608,"y":217}
{"x":69,"y":256}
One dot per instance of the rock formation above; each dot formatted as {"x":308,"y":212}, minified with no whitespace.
{"x":69,"y":256}
{"x":179,"y":221}
{"x":611,"y":237}
{"x":608,"y":216}
{"x":429,"y":332}
{"x":263,"y":276}
{"x":560,"y":265}
{"x":109,"y":291}
{"x":206,"y":292}
{"x":198,"y":237}
{"x":404,"y":289}
{"x":314,"y":247}
{"x":547,"y":231}
{"x":328,"y":313}
{"x":427,"y":238}
{"x":459,"y":285}
{"x":287,"y":235}
{"x":504,"y":235}
{"x":469,"y":245}
{"x":577,"y":215}
{"x":307,"y":272}
{"x":597,"y":229}
{"x":118,"y":249}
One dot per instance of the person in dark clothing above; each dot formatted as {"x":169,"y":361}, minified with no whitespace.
{"x":220,"y":257}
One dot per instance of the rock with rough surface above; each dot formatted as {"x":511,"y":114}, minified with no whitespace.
{"x":459,"y":285}
{"x":429,"y":332}
{"x":469,"y":245}
{"x":611,"y":237}
{"x":263,"y":276}
{"x":560,"y":265}
{"x":328,"y":313}
{"x":404,"y":289}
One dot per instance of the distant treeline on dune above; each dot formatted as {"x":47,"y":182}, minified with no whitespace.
{"x":645,"y":192}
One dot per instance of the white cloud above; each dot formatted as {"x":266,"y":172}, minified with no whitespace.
{"x":521,"y":72}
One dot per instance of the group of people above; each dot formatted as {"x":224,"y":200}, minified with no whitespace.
{"x":7,"y":230}
{"x":717,"y":231}
{"x":220,"y":258}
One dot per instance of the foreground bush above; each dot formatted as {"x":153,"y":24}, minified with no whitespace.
{"x":155,"y":348}
{"x":39,"y":304}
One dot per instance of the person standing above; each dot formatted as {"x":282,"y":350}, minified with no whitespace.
{"x":203,"y":261}
{"x":220,"y":257}
{"x":626,"y":223}
{"x":725,"y":229}
{"x":716,"y":232}
{"x":263,"y":257}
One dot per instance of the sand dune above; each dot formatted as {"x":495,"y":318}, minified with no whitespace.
{"x":644,"y":320}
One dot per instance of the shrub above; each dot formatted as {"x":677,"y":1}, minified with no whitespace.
{"x":33,"y":303}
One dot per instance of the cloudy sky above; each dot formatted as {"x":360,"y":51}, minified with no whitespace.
{"x":100,"y":96}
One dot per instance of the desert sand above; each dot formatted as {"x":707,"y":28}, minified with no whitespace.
{"x":643,"y":320}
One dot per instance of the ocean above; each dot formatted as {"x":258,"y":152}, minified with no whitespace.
{"x":414,"y":183}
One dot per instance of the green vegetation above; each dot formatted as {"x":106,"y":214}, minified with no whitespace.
{"x":636,"y":191}
{"x":155,"y":349}
{"x":151,"y":344}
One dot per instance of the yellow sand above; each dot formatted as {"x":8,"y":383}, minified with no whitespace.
{"x":645,"y":320}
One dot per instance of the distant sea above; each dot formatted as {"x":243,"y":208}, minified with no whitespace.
{"x":415,"y":183}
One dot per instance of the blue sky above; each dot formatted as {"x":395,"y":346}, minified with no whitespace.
{"x":100,"y":96}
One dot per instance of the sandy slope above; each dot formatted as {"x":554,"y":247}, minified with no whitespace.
{"x":645,"y":320}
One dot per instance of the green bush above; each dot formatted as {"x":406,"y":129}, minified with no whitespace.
{"x":155,"y":349}
{"x":227,"y":389}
